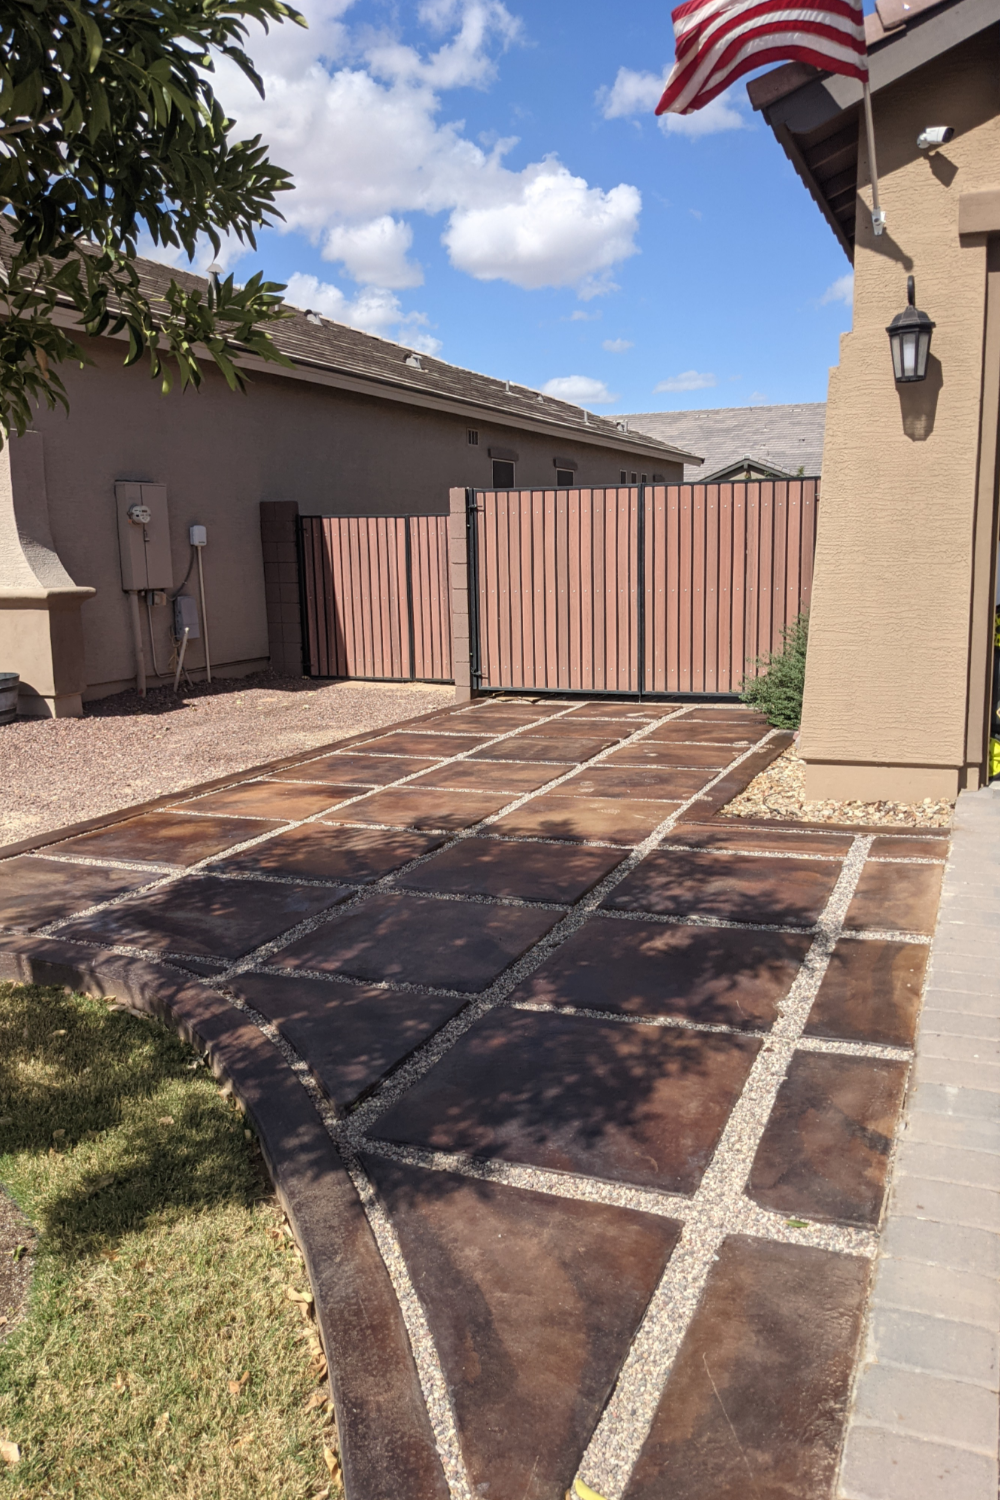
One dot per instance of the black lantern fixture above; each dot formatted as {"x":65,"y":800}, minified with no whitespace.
{"x":910,"y":340}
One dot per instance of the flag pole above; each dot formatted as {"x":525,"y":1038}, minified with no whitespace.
{"x":878,"y":213}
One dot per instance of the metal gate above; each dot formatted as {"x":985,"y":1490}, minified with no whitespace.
{"x":644,"y":589}
{"x":375,"y":597}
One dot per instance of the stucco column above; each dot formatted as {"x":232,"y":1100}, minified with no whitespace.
{"x":899,"y":625}
{"x":458,"y":553}
{"x":41,"y":633}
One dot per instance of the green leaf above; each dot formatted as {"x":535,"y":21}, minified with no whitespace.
{"x":118,"y":127}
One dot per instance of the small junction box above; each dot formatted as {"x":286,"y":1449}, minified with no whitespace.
{"x":186,"y":618}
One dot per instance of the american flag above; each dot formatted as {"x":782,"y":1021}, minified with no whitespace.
{"x":718,"y":40}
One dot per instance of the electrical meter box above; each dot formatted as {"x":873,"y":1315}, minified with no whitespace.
{"x":144,"y":536}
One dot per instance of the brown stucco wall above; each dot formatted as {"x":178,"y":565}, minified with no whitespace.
{"x":887,"y":674}
{"x":220,"y":455}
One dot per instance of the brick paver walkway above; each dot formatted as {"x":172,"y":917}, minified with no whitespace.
{"x":583,"y":1108}
{"x":924,"y":1421}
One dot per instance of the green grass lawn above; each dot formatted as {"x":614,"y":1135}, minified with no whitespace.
{"x":163,"y":1352}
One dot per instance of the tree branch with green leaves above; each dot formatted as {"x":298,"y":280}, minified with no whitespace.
{"x":109,"y":126}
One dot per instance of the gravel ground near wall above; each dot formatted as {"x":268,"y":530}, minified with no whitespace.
{"x":127,"y":749}
{"x":778,"y":792}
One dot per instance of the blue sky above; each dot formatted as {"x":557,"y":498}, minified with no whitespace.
{"x":489,"y":183}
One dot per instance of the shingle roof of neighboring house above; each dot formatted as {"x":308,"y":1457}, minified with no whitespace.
{"x":787,"y":438}
{"x":318,"y":343}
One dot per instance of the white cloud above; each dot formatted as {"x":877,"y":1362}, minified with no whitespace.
{"x":631,"y":94}
{"x":617,"y":346}
{"x":721,"y":114}
{"x":374,"y":310}
{"x":357,"y":119}
{"x":639,"y":93}
{"x":579,"y":316}
{"x":841,"y":290}
{"x":463,"y":62}
{"x":580,"y":389}
{"x":687,"y":380}
{"x":226,"y":257}
{"x":548,"y":229}
{"x":375,"y":253}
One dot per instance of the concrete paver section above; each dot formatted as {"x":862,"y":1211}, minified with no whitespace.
{"x":585,"y":1099}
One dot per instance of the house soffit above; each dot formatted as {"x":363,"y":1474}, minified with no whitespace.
{"x":817,"y":120}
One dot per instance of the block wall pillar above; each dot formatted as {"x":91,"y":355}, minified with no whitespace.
{"x":279,"y":541}
{"x":458,"y":552}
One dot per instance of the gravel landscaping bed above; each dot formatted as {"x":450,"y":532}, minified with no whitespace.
{"x":127,"y":749}
{"x":778,"y":792}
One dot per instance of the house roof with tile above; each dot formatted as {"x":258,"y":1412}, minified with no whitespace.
{"x":788,"y":439}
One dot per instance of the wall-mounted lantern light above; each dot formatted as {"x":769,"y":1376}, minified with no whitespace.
{"x":910,"y":340}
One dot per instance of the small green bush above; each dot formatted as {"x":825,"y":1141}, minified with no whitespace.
{"x":777,"y":691}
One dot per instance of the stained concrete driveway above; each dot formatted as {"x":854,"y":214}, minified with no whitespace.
{"x":582,"y":1100}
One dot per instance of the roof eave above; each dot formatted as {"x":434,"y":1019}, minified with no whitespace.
{"x":385,"y":388}
{"x":809,"y":102}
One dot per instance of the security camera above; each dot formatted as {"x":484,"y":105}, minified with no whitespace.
{"x":934,"y":136}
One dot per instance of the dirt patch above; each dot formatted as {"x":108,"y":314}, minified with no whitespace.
{"x":128,"y":749}
{"x":17,"y":1242}
{"x":778,"y":792}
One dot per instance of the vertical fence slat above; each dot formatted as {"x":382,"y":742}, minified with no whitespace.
{"x":779,"y":564}
{"x":752,"y":584}
{"x":724,"y":681}
{"x":561,"y":518}
{"x":710,"y":681}
{"x":699,"y":521}
{"x":658,"y":600}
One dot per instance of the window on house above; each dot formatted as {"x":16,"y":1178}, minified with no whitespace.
{"x":473,"y":437}
{"x":503,"y":474}
{"x":564,"y":478}
{"x":623,"y":477}
{"x":643,"y":479}
{"x":634,"y":477}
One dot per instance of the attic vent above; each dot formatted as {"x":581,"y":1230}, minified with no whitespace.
{"x":313,"y":317}
{"x":414,"y":361}
{"x":622,"y":426}
{"x":473,"y":437}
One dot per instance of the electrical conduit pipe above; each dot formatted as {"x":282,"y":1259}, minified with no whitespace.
{"x":199,"y":536}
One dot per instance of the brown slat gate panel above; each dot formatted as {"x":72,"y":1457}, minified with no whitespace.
{"x":375,"y":597}
{"x":558,"y":589}
{"x":651,"y":589}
